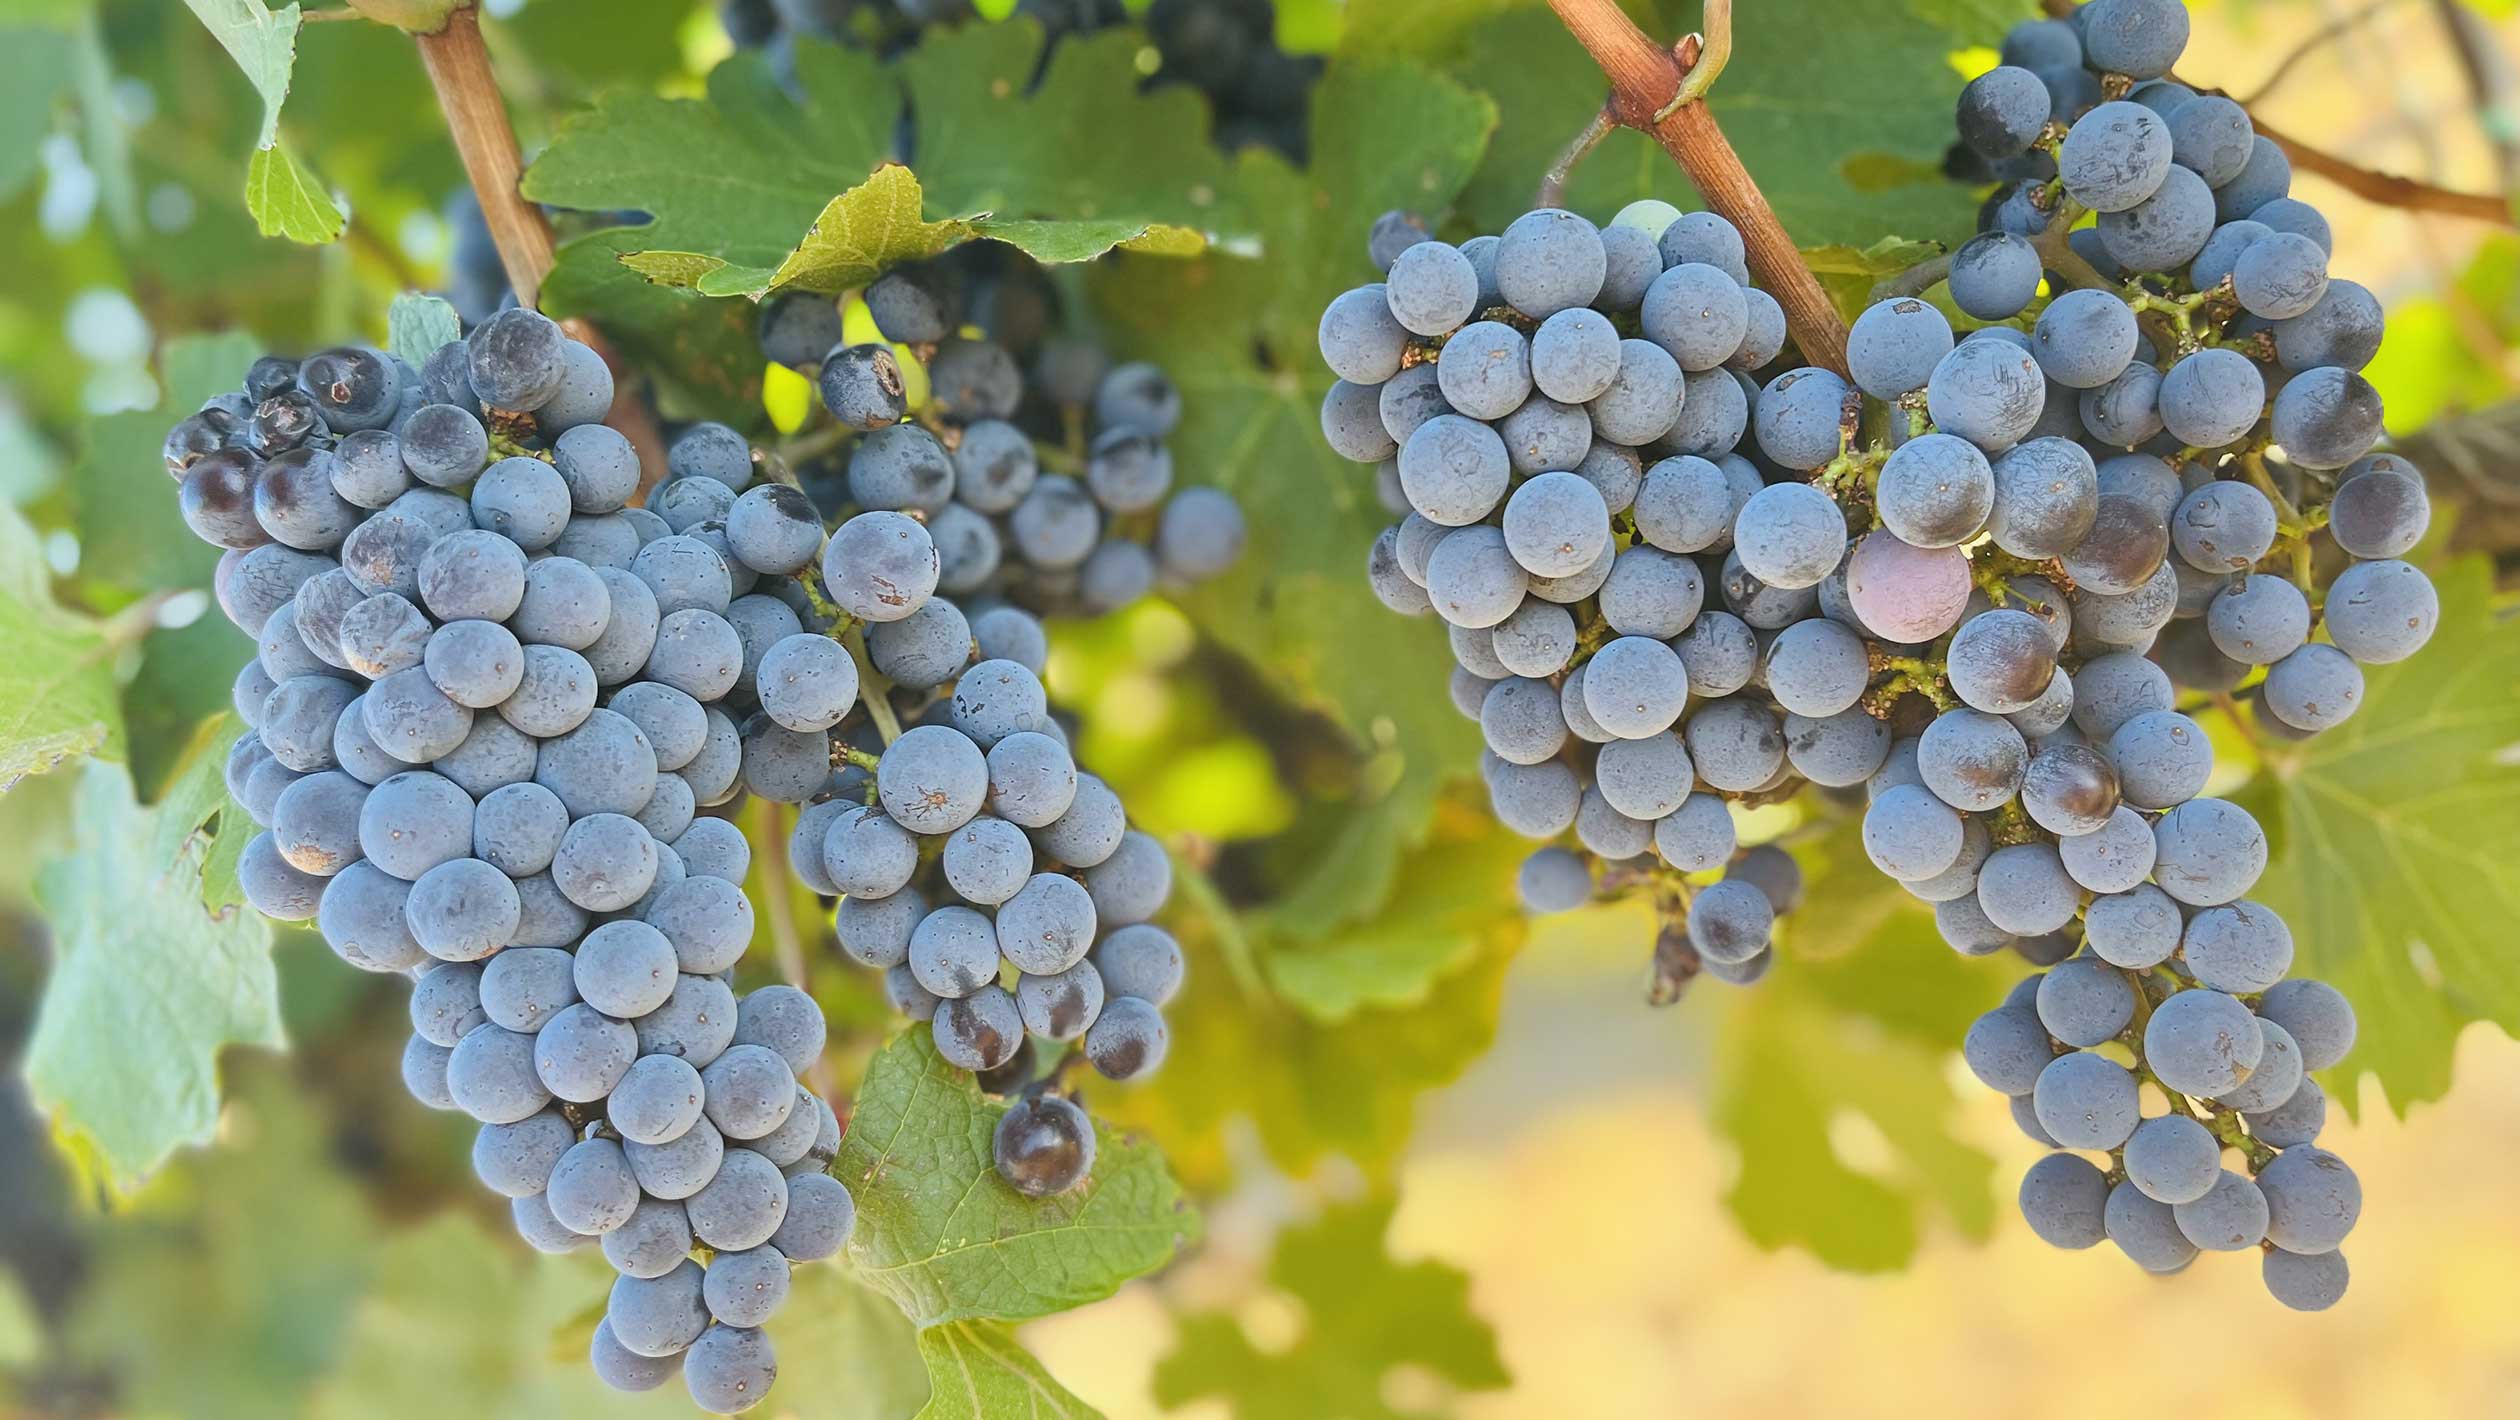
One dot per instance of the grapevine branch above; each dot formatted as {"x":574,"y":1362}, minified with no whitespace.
{"x":477,"y":121}
{"x":1645,"y":81}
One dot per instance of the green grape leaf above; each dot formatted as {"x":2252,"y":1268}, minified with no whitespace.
{"x":978,"y":1371}
{"x":198,"y":822}
{"x":263,"y":42}
{"x":56,"y":669}
{"x":1365,"y":1315}
{"x":1849,"y":273}
{"x":1445,"y":905}
{"x":1831,"y":1081}
{"x":266,"y":1238}
{"x":1311,"y":1090}
{"x":417,"y":325}
{"x":146,"y":987}
{"x":451,"y":1315}
{"x":942,"y":1235}
{"x":1018,"y":178}
{"x":132,"y":538}
{"x":1238,"y":335}
{"x":2388,"y":839}
{"x":858,"y":235}
{"x":735,"y":179}
{"x":991,"y":141}
{"x":288,"y":200}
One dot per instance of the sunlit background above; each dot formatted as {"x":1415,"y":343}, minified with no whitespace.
{"x":1503,"y":1186}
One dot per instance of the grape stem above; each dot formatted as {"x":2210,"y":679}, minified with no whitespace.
{"x":873,"y":690}
{"x":1915,"y":281}
{"x":1552,"y":191}
{"x":1645,"y":81}
{"x":477,"y":123}
{"x":770,"y":828}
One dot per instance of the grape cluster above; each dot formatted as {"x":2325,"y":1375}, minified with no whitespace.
{"x":1978,"y":573}
{"x":1556,"y":414}
{"x":1054,"y":490}
{"x":970,"y":851}
{"x":444,"y":577}
{"x":2123,"y":482}
{"x":1226,"y":49}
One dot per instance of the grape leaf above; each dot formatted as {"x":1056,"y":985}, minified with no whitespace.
{"x":263,"y":42}
{"x":146,"y":988}
{"x":1865,"y":1035}
{"x":977,"y":1371}
{"x":417,"y":325}
{"x":1448,"y":902}
{"x":1366,"y":1314}
{"x":2389,"y":839}
{"x":735,"y":178}
{"x":1311,"y":1090}
{"x":856,"y":237}
{"x":132,"y":537}
{"x":1020,"y":178}
{"x":452,"y":1316}
{"x":288,"y":200}
{"x":992,"y":141}
{"x":198,"y":821}
{"x":1237,"y":334}
{"x":941,"y":1234}
{"x":56,"y":672}
{"x":267,"y":1239}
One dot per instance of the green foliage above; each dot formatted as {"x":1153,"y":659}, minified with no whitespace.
{"x":416,"y":326}
{"x":1862,"y":1036}
{"x":2391,"y":839}
{"x":1314,"y":1090}
{"x":283,"y":194}
{"x":228,"y":1288}
{"x":147,"y":985}
{"x":1026,"y":166}
{"x":131,"y":533}
{"x":1365,"y":1315}
{"x":942,"y":1235}
{"x":56,"y":673}
{"x":288,"y":200}
{"x":263,"y":42}
{"x":34,"y":69}
{"x":1238,"y":336}
{"x":976,"y":1371}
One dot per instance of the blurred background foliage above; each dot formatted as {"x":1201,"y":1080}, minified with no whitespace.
{"x":1452,"y":1165}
